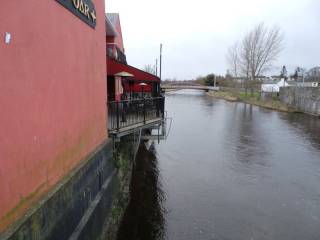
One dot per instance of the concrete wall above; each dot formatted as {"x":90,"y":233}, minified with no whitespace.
{"x":305,"y":99}
{"x":52,"y":98}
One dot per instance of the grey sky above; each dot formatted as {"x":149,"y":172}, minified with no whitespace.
{"x":197,"y":34}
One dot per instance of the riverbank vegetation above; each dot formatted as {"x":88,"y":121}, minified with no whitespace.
{"x":253,"y":98}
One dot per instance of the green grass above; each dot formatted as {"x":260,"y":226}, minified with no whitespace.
{"x":253,"y":98}
{"x":254,"y":95}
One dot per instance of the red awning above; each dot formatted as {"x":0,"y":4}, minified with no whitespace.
{"x":114,"y":67}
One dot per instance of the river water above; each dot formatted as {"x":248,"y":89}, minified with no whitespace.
{"x":227,"y":171}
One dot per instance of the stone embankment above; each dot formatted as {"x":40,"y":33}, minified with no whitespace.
{"x":254,"y":99}
{"x":306,"y":99}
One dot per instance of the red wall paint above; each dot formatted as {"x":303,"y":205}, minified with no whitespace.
{"x":52,"y":98}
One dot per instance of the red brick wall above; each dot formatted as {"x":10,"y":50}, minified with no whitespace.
{"x":52,"y":98}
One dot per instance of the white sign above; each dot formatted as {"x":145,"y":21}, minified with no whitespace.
{"x":7,"y":38}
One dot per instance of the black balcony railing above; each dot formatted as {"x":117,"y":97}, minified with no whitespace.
{"x":127,"y":113}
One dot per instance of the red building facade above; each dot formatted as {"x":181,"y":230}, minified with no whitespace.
{"x":52,"y":97}
{"x":134,"y":80}
{"x":54,"y":57}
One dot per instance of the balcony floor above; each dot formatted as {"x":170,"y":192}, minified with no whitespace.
{"x":132,"y":128}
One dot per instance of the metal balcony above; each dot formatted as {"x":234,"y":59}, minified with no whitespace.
{"x":129,"y":115}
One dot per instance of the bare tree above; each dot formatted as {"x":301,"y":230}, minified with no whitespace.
{"x":233,"y":60}
{"x":260,"y":48}
{"x":149,"y":68}
{"x":255,"y":54}
{"x":244,"y":62}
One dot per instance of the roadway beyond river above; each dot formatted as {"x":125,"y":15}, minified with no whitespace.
{"x":228,"y":171}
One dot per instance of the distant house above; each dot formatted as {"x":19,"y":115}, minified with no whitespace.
{"x":309,"y":79}
{"x":243,"y":79}
{"x":306,"y":84}
{"x":312,"y":78}
{"x":276,"y":77}
{"x":314,"y":73}
{"x":272,"y":86}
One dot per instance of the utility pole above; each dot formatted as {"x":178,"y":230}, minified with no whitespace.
{"x":160,"y":61}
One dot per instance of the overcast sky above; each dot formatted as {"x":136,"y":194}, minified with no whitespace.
{"x":197,"y":34}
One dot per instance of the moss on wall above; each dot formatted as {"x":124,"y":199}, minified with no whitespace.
{"x":124,"y":158}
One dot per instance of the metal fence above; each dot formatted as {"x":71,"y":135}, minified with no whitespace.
{"x":127,"y":113}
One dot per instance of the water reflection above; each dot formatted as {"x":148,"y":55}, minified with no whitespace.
{"x":250,"y":145}
{"x":308,"y":126}
{"x":229,"y":171}
{"x":144,"y":217}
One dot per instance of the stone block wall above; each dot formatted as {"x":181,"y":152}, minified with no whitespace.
{"x":305,"y":99}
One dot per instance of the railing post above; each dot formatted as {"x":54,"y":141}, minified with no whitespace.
{"x":144,"y":110}
{"x":157,"y":107}
{"x":162,"y":102}
{"x":117,"y":118}
{"x":108,"y":114}
{"x":152,"y":108}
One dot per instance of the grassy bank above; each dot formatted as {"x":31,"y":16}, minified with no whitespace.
{"x":254,"y":99}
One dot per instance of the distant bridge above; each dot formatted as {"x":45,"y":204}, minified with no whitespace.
{"x":195,"y":87}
